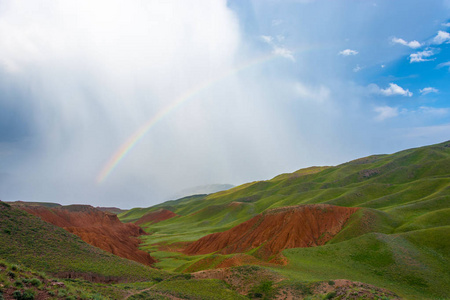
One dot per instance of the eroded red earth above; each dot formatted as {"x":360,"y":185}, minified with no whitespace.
{"x":278,"y":229}
{"x":100,"y":229}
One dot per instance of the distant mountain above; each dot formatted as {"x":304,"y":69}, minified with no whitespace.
{"x":113,"y":210}
{"x":203,"y":189}
{"x":30,"y":203}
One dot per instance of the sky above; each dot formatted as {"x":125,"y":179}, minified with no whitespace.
{"x":126,"y":103}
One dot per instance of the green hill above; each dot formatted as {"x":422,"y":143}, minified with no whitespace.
{"x":404,"y":186}
{"x":29,"y":241}
{"x":405,"y":198}
{"x":399,"y":240}
{"x":41,"y":261}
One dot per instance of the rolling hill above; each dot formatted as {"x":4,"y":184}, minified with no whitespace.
{"x":39,"y":260}
{"x":26,"y":239}
{"x":95,"y":227}
{"x":373,"y":228}
{"x":397,"y":237}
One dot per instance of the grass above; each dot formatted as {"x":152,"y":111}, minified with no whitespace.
{"x":198,"y":289}
{"x":20,"y":282}
{"x":405,"y":201}
{"x":398,"y":240}
{"x":395,"y":182}
{"x":171,"y":261}
{"x":414,"y":264}
{"x":29,"y":241}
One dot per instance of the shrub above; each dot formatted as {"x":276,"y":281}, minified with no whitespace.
{"x":18,"y":283}
{"x":12,"y":274}
{"x":17,"y":295}
{"x":263,"y":290}
{"x":62,"y":293}
{"x":35,"y":282}
{"x":303,"y":288}
{"x":331,"y":282}
{"x":28,"y":295}
{"x":14,"y":267}
{"x":330,"y":295}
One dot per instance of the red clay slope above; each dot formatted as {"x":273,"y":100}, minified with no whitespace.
{"x":156,"y":216}
{"x":100,"y":229}
{"x":278,"y":229}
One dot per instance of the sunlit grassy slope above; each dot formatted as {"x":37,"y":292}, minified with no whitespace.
{"x":399,"y":240}
{"x":398,"y":189}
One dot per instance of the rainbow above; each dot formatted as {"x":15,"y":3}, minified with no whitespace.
{"x":131,"y":142}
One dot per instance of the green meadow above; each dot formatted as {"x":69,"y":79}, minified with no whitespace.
{"x":399,"y":240}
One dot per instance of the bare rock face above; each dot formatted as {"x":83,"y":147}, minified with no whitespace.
{"x":98,"y":228}
{"x":156,"y":216}
{"x":278,"y":229}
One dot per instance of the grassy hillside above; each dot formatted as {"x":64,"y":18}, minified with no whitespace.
{"x":405,"y":201}
{"x":27,"y":240}
{"x":398,"y":239}
{"x":33,"y":253}
{"x":404,"y":185}
{"x":414,"y":264}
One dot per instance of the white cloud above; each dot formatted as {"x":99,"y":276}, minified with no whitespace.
{"x":446,"y":64}
{"x":413,"y":44}
{"x":284,"y":52}
{"x":395,"y":89}
{"x":348,"y":52}
{"x":421,"y":56}
{"x":392,"y":90}
{"x":96,"y":71}
{"x":441,"y":37}
{"x":446,"y":24}
{"x":267,"y":38}
{"x":428,"y":90}
{"x":385,"y":112}
{"x":434,"y":111}
{"x":318,"y":94}
{"x":357,"y":68}
{"x":276,"y":49}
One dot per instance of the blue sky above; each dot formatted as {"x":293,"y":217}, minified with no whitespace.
{"x":263,"y":88}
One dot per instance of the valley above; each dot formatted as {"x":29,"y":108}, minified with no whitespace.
{"x":377,"y":227}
